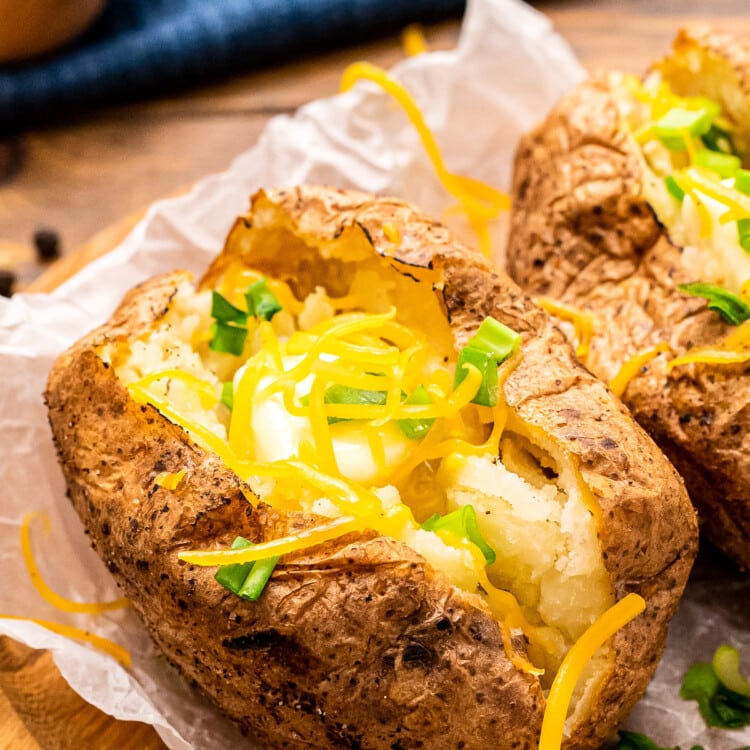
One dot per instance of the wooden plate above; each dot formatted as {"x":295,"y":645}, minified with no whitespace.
{"x":39,"y":710}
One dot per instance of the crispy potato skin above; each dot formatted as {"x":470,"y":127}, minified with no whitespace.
{"x":582,"y":232}
{"x":358,"y":643}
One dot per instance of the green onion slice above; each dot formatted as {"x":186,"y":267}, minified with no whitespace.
{"x":725,"y":165}
{"x":673,"y":188}
{"x":671,"y":127}
{"x":718,"y":139}
{"x":225,"y":312}
{"x":227,"y":394}
{"x":261,"y":301}
{"x":416,"y":429}
{"x":490,"y":346}
{"x":486,"y":363}
{"x":344,"y":394}
{"x":719,"y":706}
{"x":256,"y":581}
{"x":463,"y":524}
{"x":227,"y":338}
{"x":637,"y":741}
{"x":743,"y":234}
{"x":733,"y":309}
{"x":726,"y":664}
{"x":742,"y":181}
{"x":233,"y":576}
{"x":247,"y":580}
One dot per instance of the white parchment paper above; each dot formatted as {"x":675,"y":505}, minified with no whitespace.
{"x":506,"y":72}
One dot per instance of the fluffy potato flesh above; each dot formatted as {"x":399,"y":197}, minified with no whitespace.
{"x":393,"y":635}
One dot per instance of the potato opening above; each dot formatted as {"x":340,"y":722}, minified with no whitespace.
{"x":530,"y":503}
{"x":690,"y":172}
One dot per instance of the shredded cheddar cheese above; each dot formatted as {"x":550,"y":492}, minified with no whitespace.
{"x":710,"y":355}
{"x":298,"y":541}
{"x":391,"y":233}
{"x":733,"y":350}
{"x":116,"y":651}
{"x":238,"y":277}
{"x":50,"y":596}
{"x":170,"y":480}
{"x":615,"y":618}
{"x":630,"y":368}
{"x":583,"y":322}
{"x":204,"y":390}
{"x":480,"y":202}
{"x":413,"y":41}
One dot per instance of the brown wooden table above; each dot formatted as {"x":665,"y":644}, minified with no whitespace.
{"x":90,"y":180}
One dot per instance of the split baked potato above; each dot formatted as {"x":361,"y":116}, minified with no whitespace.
{"x":430,"y":539}
{"x":632,"y":208}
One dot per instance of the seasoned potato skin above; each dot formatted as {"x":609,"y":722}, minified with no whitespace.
{"x":359,"y":643}
{"x":582,"y":232}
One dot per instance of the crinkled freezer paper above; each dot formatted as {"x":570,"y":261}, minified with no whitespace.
{"x":506,"y":72}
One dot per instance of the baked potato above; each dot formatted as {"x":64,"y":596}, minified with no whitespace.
{"x":631,"y":209}
{"x":438,"y":544}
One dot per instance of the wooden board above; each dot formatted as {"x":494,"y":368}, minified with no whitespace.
{"x":39,"y":711}
{"x":82,"y":178}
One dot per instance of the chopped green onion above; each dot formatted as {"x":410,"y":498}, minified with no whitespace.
{"x":742,"y":181}
{"x":726,"y":664}
{"x":671,"y":127}
{"x":490,"y":346}
{"x":343,"y":394}
{"x":247,"y":580}
{"x":233,"y":576}
{"x":416,"y":429}
{"x":228,"y":333}
{"x":733,"y":309}
{"x":486,"y":363}
{"x":227,"y":338}
{"x":261,"y":301}
{"x":637,"y":741}
{"x":225,"y":312}
{"x":463,"y":524}
{"x":497,"y":338}
{"x":725,"y":165}
{"x":718,"y":139}
{"x":227,"y":394}
{"x":256,"y":581}
{"x":719,"y":706}
{"x":674,"y":189}
{"x":743,"y":234}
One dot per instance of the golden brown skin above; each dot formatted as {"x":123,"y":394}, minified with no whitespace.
{"x":358,"y":643}
{"x":583,"y":233}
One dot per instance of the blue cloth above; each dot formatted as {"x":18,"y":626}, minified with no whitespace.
{"x":145,"y":47}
